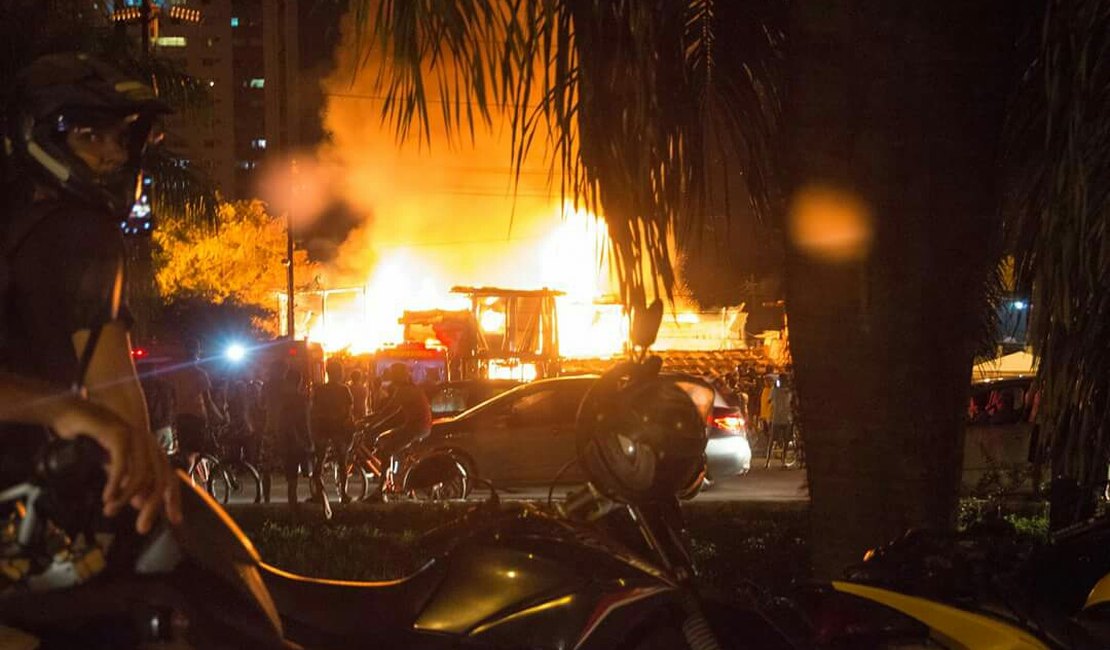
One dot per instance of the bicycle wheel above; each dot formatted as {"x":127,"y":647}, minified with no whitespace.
{"x":201,"y":470}
{"x":358,"y":483}
{"x":235,"y":482}
{"x":793,"y":452}
{"x":789,"y":453}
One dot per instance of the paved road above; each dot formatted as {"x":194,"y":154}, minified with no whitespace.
{"x":774,"y":484}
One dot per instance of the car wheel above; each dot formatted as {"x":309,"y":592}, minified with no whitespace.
{"x":455,"y":487}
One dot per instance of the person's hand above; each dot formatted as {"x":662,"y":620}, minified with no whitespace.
{"x":138,"y":471}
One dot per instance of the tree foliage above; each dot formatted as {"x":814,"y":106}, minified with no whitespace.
{"x":1059,"y":218}
{"x":243,"y":261}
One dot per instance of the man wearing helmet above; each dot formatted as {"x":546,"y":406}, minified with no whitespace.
{"x":406,"y":411}
{"x":74,"y":136}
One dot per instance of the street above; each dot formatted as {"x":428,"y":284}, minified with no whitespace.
{"x":773,"y":484}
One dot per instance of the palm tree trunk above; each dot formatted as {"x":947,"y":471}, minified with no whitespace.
{"x":900,"y":104}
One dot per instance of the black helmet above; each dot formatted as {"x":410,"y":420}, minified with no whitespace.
{"x":641,"y":437}
{"x":59,"y":92}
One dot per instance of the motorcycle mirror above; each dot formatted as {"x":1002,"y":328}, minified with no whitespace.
{"x":645,"y":324}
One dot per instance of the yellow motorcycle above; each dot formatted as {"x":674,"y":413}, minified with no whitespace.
{"x":987,"y":588}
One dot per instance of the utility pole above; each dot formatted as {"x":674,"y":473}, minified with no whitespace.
{"x":148,"y":22}
{"x":290,"y":288}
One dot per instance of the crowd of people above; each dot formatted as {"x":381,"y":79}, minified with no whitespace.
{"x":768,"y":400}
{"x":277,"y":419}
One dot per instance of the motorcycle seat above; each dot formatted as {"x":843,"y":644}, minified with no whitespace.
{"x":343,"y":608}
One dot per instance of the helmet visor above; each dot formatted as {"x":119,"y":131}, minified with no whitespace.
{"x":107,"y":141}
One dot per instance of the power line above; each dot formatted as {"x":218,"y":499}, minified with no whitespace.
{"x":471,"y":168}
{"x":430,"y":100}
{"x":508,"y":194}
{"x":459,"y":242}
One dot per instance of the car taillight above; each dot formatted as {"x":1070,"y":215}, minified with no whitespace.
{"x":727,"y":419}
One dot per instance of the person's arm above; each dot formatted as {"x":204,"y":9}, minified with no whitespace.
{"x":349,"y":406}
{"x":32,"y":402}
{"x":213,"y":409}
{"x":112,"y":382}
{"x":111,"y":378}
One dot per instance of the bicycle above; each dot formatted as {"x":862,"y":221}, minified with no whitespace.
{"x":230,"y":476}
{"x":793,"y":454}
{"x":359,"y":473}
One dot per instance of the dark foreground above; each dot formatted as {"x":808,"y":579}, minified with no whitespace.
{"x":735,"y":544}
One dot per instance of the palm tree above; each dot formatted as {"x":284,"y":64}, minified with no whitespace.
{"x":900,"y":108}
{"x":1058,"y":218}
{"x":880,"y":122}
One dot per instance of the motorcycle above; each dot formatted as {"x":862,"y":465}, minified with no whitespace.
{"x":987,"y":587}
{"x":609,"y":569}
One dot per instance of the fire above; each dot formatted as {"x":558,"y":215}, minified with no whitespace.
{"x":570,"y":257}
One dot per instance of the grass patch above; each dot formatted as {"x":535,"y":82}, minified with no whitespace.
{"x":733,"y":543}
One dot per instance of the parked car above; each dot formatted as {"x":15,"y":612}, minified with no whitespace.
{"x":450,"y":398}
{"x":728,"y":451}
{"x":526,"y":435}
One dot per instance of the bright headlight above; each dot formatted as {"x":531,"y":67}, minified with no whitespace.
{"x":235,"y":352}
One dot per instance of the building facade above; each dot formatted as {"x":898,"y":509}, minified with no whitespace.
{"x":249,"y":54}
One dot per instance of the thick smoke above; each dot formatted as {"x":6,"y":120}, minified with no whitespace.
{"x":448,"y":206}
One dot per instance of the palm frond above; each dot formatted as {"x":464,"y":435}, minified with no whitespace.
{"x":179,"y":191}
{"x":457,"y":43}
{"x":184,"y":92}
{"x":644,"y":109}
{"x":1058,"y":220}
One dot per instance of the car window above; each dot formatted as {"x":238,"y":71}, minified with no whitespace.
{"x":569,"y":400}
{"x":557,"y":405}
{"x":448,"y":400}
{"x":536,"y":408}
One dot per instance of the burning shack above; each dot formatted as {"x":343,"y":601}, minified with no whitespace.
{"x":515,"y":333}
{"x":505,"y":334}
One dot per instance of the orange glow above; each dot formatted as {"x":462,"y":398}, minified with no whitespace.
{"x":517,"y":371}
{"x":569,"y":257}
{"x":492,"y":321}
{"x":439,"y":213}
{"x":831,"y":224}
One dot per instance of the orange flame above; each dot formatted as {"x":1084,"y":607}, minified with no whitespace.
{"x":570,"y":257}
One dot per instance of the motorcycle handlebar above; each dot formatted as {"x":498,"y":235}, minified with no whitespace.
{"x":75,"y":464}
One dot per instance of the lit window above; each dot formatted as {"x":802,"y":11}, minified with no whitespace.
{"x":170,"y":41}
{"x":247,"y":164}
{"x":257,"y":83}
{"x":234,"y":21}
{"x":259,"y":143}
